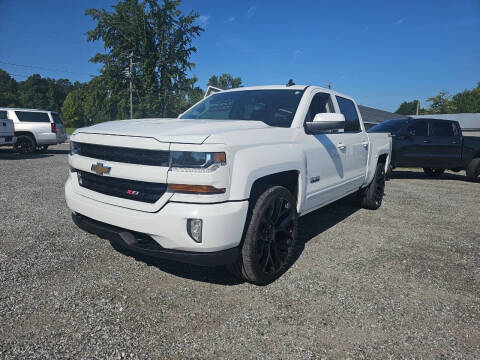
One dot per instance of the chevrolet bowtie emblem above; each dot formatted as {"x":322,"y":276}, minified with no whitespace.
{"x":100,"y":169}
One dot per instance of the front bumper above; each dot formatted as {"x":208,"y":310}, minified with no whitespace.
{"x":145,"y":245}
{"x":222,"y":229}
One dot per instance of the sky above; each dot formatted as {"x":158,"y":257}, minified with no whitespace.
{"x":379,"y":52}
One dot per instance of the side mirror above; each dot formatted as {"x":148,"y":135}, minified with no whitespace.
{"x":325,"y":122}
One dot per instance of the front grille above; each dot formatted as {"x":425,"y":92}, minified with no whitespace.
{"x":123,"y":154}
{"x":8,"y":139}
{"x":127,"y":189}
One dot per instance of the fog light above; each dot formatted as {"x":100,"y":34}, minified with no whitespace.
{"x":194,"y":229}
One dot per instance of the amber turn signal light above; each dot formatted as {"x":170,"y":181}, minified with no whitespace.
{"x":195,"y":189}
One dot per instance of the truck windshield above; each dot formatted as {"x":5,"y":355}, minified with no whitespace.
{"x":273,"y":107}
{"x":391,"y":126}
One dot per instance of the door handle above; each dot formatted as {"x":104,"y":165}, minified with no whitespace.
{"x":341,"y":146}
{"x":365,"y":144}
{"x":454,"y":142}
{"x":427,"y":141}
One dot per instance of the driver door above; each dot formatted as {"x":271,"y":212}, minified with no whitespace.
{"x":325,"y":158}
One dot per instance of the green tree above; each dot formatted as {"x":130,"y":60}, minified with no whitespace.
{"x":225,"y":81}
{"x":8,"y":90}
{"x":408,"y":107}
{"x":158,"y":39}
{"x":467,"y":101}
{"x":440,"y":104}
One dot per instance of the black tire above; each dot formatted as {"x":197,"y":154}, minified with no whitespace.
{"x":270,"y":238}
{"x":388,"y":176}
{"x":25,"y":144}
{"x":433,"y":172}
{"x":473,"y":170}
{"x":372,"y":195}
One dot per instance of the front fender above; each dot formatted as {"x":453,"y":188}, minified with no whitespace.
{"x":256,"y":162}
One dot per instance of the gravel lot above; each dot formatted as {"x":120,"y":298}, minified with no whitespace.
{"x":401,"y":282}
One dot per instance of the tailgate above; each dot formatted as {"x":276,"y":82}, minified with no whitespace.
{"x":6,"y":127}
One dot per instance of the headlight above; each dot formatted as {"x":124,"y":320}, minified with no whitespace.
{"x":197,"y":161}
{"x":74,"y":147}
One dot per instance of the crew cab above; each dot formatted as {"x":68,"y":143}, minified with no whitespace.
{"x":7,"y":130}
{"x":36,"y":129}
{"x":225,"y":183}
{"x":432,"y":144}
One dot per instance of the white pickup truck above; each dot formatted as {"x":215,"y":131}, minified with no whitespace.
{"x":7,"y":130}
{"x":225,"y":183}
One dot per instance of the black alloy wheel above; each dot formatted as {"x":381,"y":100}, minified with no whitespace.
{"x":372,"y":196}
{"x":25,"y":145}
{"x":270,"y":237}
{"x":275,"y":235}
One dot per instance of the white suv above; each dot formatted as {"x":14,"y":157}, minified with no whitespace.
{"x":36,"y":129}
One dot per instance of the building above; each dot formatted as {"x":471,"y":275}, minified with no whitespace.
{"x":373,"y":116}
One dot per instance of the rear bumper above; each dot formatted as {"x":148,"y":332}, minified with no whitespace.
{"x":145,"y":245}
{"x":7,"y":140}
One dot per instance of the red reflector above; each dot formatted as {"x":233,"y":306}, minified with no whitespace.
{"x":54,"y":127}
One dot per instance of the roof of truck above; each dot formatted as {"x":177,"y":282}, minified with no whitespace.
{"x":24,"y":109}
{"x":285,"y":87}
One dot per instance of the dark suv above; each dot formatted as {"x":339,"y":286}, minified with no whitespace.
{"x":432,"y":144}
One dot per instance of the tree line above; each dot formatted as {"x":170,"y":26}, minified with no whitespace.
{"x":148,"y":46}
{"x":467,"y":101}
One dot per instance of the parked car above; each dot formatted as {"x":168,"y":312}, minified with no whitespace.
{"x":36,"y":129}
{"x":432,"y":144}
{"x":7,"y":130}
{"x":225,"y":182}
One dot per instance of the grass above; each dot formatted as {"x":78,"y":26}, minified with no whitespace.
{"x":70,"y":130}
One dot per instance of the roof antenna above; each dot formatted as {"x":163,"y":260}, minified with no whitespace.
{"x":290,"y":82}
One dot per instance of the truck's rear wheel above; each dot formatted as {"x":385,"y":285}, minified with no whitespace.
{"x":25,"y":144}
{"x":372,"y":195}
{"x":270,"y":237}
{"x":433,"y":172}
{"x":473,"y":170}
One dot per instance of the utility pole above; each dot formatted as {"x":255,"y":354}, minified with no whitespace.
{"x":330,"y":85}
{"x":418,"y":105}
{"x":130,"y":73}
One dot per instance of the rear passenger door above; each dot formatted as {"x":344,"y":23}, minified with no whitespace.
{"x":37,"y":123}
{"x":446,"y":144}
{"x":412,"y":148}
{"x":355,"y":145}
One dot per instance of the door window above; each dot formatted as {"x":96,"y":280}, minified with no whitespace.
{"x":418,"y":128}
{"x":347,"y":108}
{"x":321,"y":103}
{"x":442,"y":128}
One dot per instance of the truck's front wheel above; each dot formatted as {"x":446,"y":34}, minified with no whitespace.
{"x":270,"y":237}
{"x":473,"y":170}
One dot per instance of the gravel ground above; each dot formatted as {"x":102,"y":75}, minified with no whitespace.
{"x":401,"y":282}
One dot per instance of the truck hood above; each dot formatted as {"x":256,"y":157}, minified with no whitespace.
{"x":172,"y":130}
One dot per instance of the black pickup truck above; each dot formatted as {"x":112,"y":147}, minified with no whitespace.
{"x":432,"y":144}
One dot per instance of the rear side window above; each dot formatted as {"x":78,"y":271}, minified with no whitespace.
{"x":57,"y":119}
{"x":347,"y":108}
{"x":27,"y":116}
{"x":442,"y":128}
{"x":3,"y":114}
{"x":418,"y":128}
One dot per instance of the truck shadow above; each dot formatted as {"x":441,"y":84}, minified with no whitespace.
{"x":10,"y":154}
{"x":310,"y":226}
{"x":411,"y":174}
